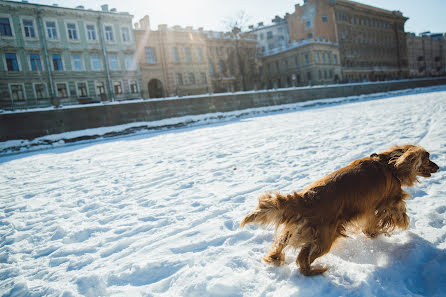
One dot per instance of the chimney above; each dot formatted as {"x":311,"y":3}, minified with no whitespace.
{"x":104,"y":8}
{"x":145,"y":23}
{"x":260,"y":24}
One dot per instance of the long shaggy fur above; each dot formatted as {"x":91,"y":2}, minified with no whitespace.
{"x":367,"y":193}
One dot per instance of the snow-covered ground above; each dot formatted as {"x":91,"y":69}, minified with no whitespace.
{"x":157,"y":213}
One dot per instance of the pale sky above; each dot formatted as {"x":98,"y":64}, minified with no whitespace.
{"x":424,"y":15}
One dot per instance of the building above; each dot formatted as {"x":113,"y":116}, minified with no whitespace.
{"x":173,"y":61}
{"x":65,"y":55}
{"x":372,"y":42}
{"x":178,"y":61}
{"x":426,"y":54}
{"x":301,"y":63}
{"x":271,"y":36}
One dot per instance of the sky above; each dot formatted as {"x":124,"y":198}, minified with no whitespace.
{"x":426,"y":15}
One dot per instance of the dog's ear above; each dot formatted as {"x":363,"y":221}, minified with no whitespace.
{"x":407,"y":165}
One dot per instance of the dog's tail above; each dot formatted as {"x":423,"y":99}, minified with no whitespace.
{"x":271,"y":210}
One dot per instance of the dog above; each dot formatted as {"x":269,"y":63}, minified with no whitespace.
{"x":367,"y":193}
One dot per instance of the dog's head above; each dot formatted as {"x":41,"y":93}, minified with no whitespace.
{"x":411,"y":161}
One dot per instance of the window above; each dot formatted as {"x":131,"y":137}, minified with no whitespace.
{"x":12,"y":63}
{"x":150,"y":55}
{"x":286,"y":64}
{"x":114,"y":64}
{"x":5,"y":27}
{"x":308,"y":24}
{"x":335,"y":59}
{"x":117,"y":87}
{"x":296,"y":61}
{"x":91,"y":32}
{"x":109,"y":33}
{"x":324,"y":18}
{"x":51,"y":30}
{"x":221,"y":67}
{"x":277,"y":66}
{"x":317,"y":57}
{"x":39,"y":91}
{"x":17,"y":92}
{"x":203,"y":78}
{"x":179,"y":79}
{"x":211,"y":68}
{"x":200,"y":55}
{"x":36,"y":65}
{"x":323,"y":58}
{"x":28,"y":28}
{"x":187,"y":54}
{"x":130,"y":63}
{"x":95,"y":63}
{"x":57,"y":63}
{"x":125,"y":33}
{"x":307,"y":59}
{"x":100,"y":88}
{"x":133,"y":87}
{"x":269,"y":35}
{"x":72,"y":31}
{"x":82,"y":89}
{"x":77,"y":62}
{"x":310,"y":35}
{"x":191,"y":78}
{"x":175,"y":56}
{"x":62,"y":90}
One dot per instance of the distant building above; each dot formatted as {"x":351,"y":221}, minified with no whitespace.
{"x":372,"y":42}
{"x":58,"y":54}
{"x":178,"y":61}
{"x":301,"y":63}
{"x":271,"y":36}
{"x":426,"y":54}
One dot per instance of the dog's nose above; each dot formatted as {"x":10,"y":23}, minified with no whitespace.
{"x":434,"y":167}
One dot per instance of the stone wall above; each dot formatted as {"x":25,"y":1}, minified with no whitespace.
{"x":33,"y":124}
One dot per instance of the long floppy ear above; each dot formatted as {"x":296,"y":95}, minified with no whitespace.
{"x":407,"y":165}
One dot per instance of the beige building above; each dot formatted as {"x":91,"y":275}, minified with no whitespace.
{"x":176,"y":61}
{"x":426,"y":54}
{"x":301,"y":63}
{"x":372,"y":42}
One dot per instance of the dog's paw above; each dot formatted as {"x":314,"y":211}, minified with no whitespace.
{"x":312,"y":271}
{"x":276,"y":259}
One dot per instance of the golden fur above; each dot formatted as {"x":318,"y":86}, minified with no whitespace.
{"x":366,"y":192}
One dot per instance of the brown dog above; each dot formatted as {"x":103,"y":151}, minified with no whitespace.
{"x":367,"y":193}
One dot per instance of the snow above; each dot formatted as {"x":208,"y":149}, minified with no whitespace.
{"x":156,"y":213}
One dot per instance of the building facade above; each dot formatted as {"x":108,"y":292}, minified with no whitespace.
{"x":372,"y":42}
{"x":301,"y":63}
{"x":271,"y":36}
{"x":178,"y":61}
{"x":65,"y":55}
{"x":426,"y":54}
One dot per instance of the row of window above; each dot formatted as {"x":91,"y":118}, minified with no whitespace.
{"x":151,"y":58}
{"x":71,"y":27}
{"x":12,"y":63}
{"x":181,"y":80}
{"x":358,"y":20}
{"x":17,"y":91}
{"x":320,"y":58}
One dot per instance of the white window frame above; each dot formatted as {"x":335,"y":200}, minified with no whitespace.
{"x":36,"y":33}
{"x":18,"y":61}
{"x":64,"y":68}
{"x":155,"y":58}
{"x":117,"y":61}
{"x":105,"y":33}
{"x":11,"y":24}
{"x":95,"y":30}
{"x":133,"y":63}
{"x":45,"y":21}
{"x":41,"y":61}
{"x":122,"y":87}
{"x":100,"y":62}
{"x":77,"y":88}
{"x":45,"y":90}
{"x":69,"y":22}
{"x":96,"y":87}
{"x":137,"y":86}
{"x":72,"y":62}
{"x":57,"y":91}
{"x":23,"y":88}
{"x":130,"y":34}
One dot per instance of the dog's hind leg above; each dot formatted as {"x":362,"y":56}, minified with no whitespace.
{"x":276,"y":256}
{"x":315,"y":249}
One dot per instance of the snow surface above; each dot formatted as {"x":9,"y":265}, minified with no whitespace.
{"x":157,"y":213}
